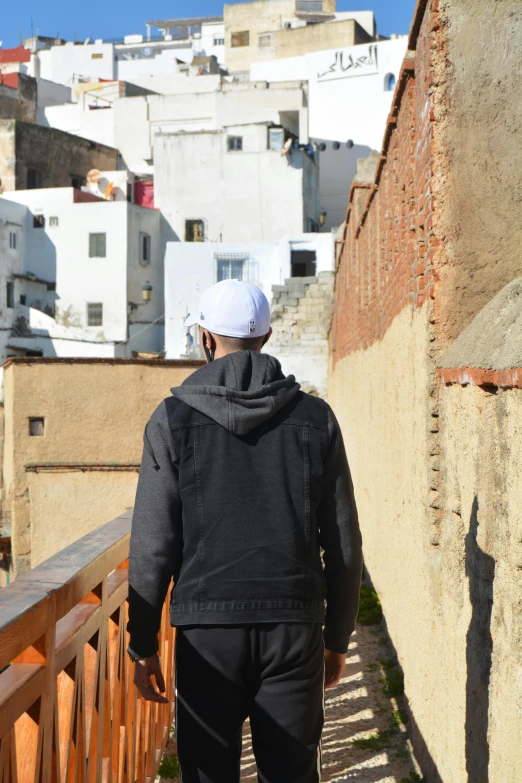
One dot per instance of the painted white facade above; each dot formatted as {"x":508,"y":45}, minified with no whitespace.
{"x":253,"y":194}
{"x":60,"y":253}
{"x":349,"y":101}
{"x":192,"y":267}
{"x":196,"y":103}
{"x":132,"y":59}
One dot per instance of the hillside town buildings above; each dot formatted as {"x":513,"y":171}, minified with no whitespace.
{"x":208,"y":146}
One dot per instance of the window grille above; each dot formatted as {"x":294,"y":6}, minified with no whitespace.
{"x":264,"y":41}
{"x":53,"y":221}
{"x":276,"y":139}
{"x":309,"y":5}
{"x":236,"y":266}
{"x":94,"y":314}
{"x":13,"y":240}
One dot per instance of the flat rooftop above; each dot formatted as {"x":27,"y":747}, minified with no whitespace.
{"x":196,"y":21}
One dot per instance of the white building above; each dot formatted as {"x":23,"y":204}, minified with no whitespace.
{"x":191,"y":268}
{"x":350,"y":95}
{"x":196,"y":103}
{"x":130,"y":59}
{"x":84,"y":267}
{"x":234,"y":184}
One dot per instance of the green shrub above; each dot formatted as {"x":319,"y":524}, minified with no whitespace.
{"x":169,"y":767}
{"x":370,"y":609}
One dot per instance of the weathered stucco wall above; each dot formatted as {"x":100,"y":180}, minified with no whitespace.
{"x":478,"y":128}
{"x":481,"y":554}
{"x":437,"y":469}
{"x":94,"y":413}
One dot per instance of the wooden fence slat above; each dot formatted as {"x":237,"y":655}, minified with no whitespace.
{"x":69,"y":712}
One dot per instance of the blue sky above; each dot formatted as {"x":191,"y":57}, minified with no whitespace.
{"x":110,"y":19}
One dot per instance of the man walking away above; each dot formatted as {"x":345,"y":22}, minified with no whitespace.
{"x":244,"y":479}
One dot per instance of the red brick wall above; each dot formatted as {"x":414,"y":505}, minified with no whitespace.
{"x":386,"y":261}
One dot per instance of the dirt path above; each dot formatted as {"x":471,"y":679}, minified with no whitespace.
{"x":358,"y":709}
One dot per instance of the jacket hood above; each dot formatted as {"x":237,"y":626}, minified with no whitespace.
{"x":239,"y":391}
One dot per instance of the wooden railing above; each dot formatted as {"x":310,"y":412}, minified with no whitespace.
{"x":69,"y":712}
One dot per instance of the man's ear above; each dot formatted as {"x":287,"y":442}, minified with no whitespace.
{"x":268,"y":336}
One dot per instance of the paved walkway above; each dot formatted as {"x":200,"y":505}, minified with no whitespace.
{"x":363,"y":738}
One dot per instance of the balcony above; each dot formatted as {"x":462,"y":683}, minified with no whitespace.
{"x":69,"y":712}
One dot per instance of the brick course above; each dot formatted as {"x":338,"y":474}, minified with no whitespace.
{"x":388,"y":255}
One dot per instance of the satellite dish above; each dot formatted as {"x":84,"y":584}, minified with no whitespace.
{"x":286,"y":147}
{"x":93,"y":176}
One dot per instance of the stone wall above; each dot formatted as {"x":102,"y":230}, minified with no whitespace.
{"x":57,"y":156}
{"x":436,"y":459}
{"x":301,"y":316}
{"x":18,"y":97}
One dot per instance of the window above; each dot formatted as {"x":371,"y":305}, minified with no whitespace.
{"x":235,"y":143}
{"x":36,"y":426}
{"x":38,"y":221}
{"x":265,"y":40}
{"x":230,"y":266}
{"x":13,"y":240}
{"x":77,"y":181}
{"x":130,"y":192}
{"x":219,"y":41}
{"x":240,"y":39}
{"x":389,"y":82}
{"x":303,"y":263}
{"x":276,"y":139}
{"x":51,"y":286}
{"x":94,"y":314}
{"x":97,"y":245}
{"x":145,"y":242}
{"x":194,"y":231}
{"x":22,"y":299}
{"x":288,"y":25}
{"x":97,"y":56}
{"x":53,"y":221}
{"x":34,"y":179}
{"x":10,"y":294}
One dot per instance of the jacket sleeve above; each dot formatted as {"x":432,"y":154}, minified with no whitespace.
{"x":156,"y":536}
{"x":340,"y":538}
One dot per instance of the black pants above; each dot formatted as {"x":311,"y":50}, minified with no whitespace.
{"x":273,"y":673}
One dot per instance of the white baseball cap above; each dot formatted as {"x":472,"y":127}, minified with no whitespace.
{"x":233,"y":308}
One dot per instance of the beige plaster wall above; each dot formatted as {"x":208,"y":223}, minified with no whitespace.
{"x":261,"y":16}
{"x":438,"y":482}
{"x":95,"y":413}
{"x":65,"y":506}
{"x":481,"y":551}
{"x":477,"y":132}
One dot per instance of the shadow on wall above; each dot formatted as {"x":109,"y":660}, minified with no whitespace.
{"x":480,"y":570}
{"x":337,"y":168}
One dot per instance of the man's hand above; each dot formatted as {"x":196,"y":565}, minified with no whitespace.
{"x":143,"y":672}
{"x":333,"y":667}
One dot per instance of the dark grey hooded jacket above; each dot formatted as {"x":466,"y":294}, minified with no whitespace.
{"x":243,"y":481}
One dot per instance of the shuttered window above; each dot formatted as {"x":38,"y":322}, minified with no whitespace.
{"x":97,"y":245}
{"x":95,"y":314}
